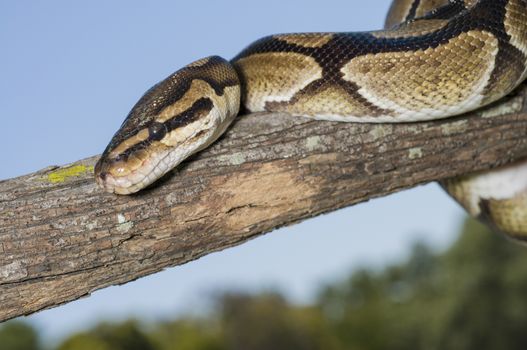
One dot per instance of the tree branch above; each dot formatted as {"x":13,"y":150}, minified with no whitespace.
{"x":62,"y":238}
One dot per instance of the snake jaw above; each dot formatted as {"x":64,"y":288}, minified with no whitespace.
{"x":120,"y":178}
{"x":115,"y":175}
{"x":124,"y":173}
{"x":134,"y":169}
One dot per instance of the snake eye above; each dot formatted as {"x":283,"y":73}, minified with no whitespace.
{"x":157,"y":131}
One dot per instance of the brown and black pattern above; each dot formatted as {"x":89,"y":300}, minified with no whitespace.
{"x":462,"y":32}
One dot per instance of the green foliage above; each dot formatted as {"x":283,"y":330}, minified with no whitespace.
{"x":84,"y":341}
{"x":187,"y":335}
{"x":18,"y":336}
{"x":472,"y":296}
{"x":269,"y":322}
{"x":125,"y":336}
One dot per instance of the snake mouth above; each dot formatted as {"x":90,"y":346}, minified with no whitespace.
{"x":129,"y":173}
{"x":120,"y":177}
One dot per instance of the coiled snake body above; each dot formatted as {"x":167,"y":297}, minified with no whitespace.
{"x":436,"y":59}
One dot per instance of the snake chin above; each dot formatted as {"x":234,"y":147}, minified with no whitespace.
{"x":116,"y":177}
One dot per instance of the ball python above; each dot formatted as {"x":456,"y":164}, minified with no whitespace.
{"x":434,"y":59}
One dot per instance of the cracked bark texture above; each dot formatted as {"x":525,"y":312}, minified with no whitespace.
{"x":62,"y":238}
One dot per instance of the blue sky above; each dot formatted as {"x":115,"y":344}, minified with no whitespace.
{"x":70,"y":72}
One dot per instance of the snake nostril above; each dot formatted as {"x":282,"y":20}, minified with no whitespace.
{"x":103,"y":175}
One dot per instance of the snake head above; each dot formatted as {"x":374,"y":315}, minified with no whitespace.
{"x":177,"y":117}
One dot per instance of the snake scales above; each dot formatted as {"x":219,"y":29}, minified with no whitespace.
{"x":435,"y":59}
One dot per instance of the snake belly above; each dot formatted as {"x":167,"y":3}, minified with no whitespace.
{"x":435,"y":59}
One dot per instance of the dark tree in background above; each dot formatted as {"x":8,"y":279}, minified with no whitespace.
{"x":18,"y":336}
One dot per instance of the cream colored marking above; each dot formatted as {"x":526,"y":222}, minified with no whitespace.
{"x":231,"y":159}
{"x":13,"y":271}
{"x":498,"y":184}
{"x":276,"y":77}
{"x":358,"y":118}
{"x":142,"y":135}
{"x":228,"y":103}
{"x":306,"y":40}
{"x":427,"y":84}
{"x":237,"y":159}
{"x":328,"y":103}
{"x":412,"y":29}
{"x":121,"y":219}
{"x":503,"y":183}
{"x":516,"y":26}
{"x":515,"y":105}
{"x":92,"y":225}
{"x":454,"y":128}
{"x":415,"y":153}
{"x":60,"y":243}
{"x":378,"y":132}
{"x":124,"y":225}
{"x":312,"y":142}
{"x":127,"y":226}
{"x":198,"y":89}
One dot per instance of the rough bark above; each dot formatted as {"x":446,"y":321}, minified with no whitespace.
{"x":62,"y":238}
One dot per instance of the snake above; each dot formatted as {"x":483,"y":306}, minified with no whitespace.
{"x":433,"y":59}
